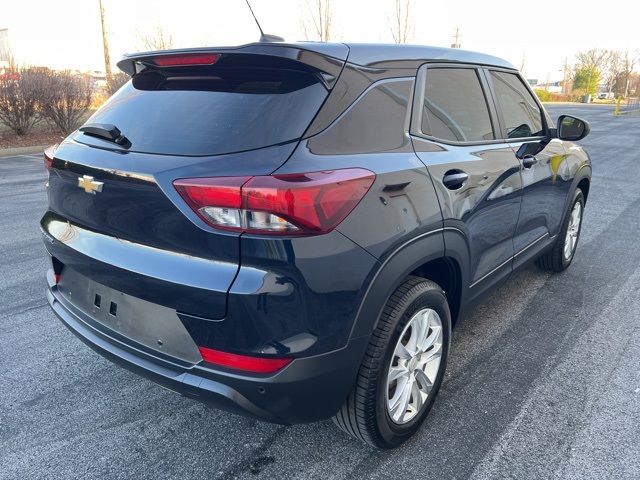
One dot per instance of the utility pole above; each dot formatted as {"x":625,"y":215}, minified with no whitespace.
{"x":547,"y":82}
{"x":565,"y":87}
{"x":105,"y":43}
{"x":456,"y":39}
{"x":626,"y":86}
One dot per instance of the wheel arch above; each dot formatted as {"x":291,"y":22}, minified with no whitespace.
{"x":424,"y":256}
{"x":582,"y":181}
{"x":446,"y":272}
{"x":584,"y":184}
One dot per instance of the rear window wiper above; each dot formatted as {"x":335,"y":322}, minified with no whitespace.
{"x":106,"y":131}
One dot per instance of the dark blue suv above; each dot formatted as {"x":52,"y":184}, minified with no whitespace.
{"x":289,"y":231}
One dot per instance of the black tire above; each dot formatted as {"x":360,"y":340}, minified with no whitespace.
{"x":364,"y":414}
{"x":553,"y":259}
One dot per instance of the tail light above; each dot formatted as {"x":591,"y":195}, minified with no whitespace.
{"x":287,"y":204}
{"x":186,"y":60}
{"x":243,"y":362}
{"x":48,"y":156}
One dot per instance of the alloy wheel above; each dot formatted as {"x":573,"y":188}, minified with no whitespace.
{"x":414,"y":365}
{"x":573,"y":229}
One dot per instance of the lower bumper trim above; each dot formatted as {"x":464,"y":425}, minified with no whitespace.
{"x":307,"y":390}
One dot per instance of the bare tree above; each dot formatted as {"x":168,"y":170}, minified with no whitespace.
{"x":613,"y":69}
{"x":567,"y":78}
{"x":319,"y":20}
{"x":400,"y":22}
{"x":67,"y":100}
{"x":629,"y":62}
{"x":157,"y":40}
{"x":595,"y":58}
{"x":21,"y":94}
{"x":116,"y":81}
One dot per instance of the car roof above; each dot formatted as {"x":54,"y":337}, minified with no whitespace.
{"x":383,"y":55}
{"x":391,"y":55}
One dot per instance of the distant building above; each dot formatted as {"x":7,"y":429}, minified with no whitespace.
{"x":532,"y":81}
{"x":5,"y":48}
{"x":552,"y":87}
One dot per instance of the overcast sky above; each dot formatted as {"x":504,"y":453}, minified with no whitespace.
{"x":66,"y":33}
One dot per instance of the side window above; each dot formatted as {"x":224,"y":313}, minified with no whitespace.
{"x":455,"y":108}
{"x":521,"y":114}
{"x":374,"y":123}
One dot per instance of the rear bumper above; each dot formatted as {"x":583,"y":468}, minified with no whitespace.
{"x":289,"y":296}
{"x":308,"y":389}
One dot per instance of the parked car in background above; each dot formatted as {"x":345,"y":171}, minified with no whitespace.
{"x":605,"y":95}
{"x":290,"y":231}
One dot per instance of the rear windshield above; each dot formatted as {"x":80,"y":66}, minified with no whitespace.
{"x":210,"y":111}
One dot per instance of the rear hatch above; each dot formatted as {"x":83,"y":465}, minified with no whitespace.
{"x":114,"y":215}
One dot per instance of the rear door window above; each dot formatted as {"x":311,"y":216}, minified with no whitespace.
{"x":210,"y":111}
{"x":520,"y":112}
{"x":455,"y":108}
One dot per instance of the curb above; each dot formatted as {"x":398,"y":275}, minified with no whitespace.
{"x":9,"y":152}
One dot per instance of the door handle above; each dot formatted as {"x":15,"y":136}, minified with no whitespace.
{"x":454,"y":179}
{"x":529,"y":161}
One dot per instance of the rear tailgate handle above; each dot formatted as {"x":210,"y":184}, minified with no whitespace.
{"x":454,"y":179}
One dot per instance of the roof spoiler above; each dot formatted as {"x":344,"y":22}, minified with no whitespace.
{"x":328,"y":59}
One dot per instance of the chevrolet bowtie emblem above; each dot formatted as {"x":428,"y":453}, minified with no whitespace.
{"x":89,"y":185}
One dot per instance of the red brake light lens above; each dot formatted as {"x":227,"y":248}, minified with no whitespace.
{"x":291,"y":204}
{"x":186,"y":60}
{"x":243,"y":362}
{"x":219,"y":191}
{"x":48,"y":157}
{"x":316,"y":202}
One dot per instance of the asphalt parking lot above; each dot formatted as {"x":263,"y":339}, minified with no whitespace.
{"x":543,"y":379}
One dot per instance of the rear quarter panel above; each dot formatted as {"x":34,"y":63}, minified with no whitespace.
{"x":315,"y":287}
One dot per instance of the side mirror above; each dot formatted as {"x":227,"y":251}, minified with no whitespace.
{"x":572,"y":128}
